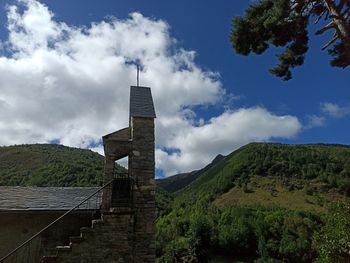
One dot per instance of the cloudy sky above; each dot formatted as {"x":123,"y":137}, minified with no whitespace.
{"x":66,"y":68}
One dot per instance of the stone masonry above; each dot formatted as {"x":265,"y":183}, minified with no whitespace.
{"x":142,"y":168}
{"x":109,"y":239}
{"x":126,"y":231}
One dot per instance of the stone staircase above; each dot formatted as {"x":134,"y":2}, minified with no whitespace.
{"x":109,"y":239}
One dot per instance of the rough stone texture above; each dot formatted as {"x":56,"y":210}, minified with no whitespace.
{"x":108,"y":240}
{"x":126,"y":232}
{"x":17,"y":227}
{"x":116,"y":146}
{"x":142,"y":170}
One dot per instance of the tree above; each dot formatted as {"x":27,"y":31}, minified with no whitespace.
{"x":332,"y":242}
{"x":284,"y":23}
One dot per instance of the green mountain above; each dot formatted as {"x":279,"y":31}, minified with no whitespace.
{"x":329,"y":164}
{"x":50,"y":165}
{"x":176,"y":182}
{"x":262,"y":203}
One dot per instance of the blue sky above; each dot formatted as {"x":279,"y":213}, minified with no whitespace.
{"x":204,"y":26}
{"x":313,"y":107}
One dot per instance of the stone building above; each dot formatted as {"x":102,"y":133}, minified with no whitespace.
{"x":26,"y":210}
{"x":122,"y":229}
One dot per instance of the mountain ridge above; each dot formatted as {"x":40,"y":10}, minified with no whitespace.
{"x":301,"y":160}
{"x":265,"y":202}
{"x":176,"y":182}
{"x":50,"y":165}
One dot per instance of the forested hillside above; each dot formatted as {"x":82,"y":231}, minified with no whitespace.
{"x":50,"y":165}
{"x":329,"y":164}
{"x":177,"y":182}
{"x":263,"y":203}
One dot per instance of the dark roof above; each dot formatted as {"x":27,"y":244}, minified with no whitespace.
{"x":141,"y":102}
{"x":16,"y":198}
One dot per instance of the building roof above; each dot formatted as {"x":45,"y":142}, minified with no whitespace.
{"x":16,"y":198}
{"x":141,"y":102}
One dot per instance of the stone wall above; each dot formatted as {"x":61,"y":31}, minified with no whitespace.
{"x":141,"y":166}
{"x":126,"y":232}
{"x":15,"y":228}
{"x":109,"y":240}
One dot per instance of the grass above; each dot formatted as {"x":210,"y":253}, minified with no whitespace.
{"x":274,"y":191}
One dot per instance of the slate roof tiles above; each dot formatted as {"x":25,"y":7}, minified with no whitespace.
{"x":141,"y":102}
{"x":16,"y":198}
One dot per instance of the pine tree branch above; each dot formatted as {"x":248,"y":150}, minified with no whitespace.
{"x":335,"y":38}
{"x":320,"y":16}
{"x":346,"y":12}
{"x":325,"y":28}
{"x":342,"y":28}
{"x":342,"y":4}
{"x":305,"y":6}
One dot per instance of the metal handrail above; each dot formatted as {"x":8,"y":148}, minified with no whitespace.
{"x":54,"y":222}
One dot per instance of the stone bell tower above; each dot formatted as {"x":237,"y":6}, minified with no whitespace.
{"x":134,"y":193}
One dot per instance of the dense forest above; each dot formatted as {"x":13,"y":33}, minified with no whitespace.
{"x":305,"y":219}
{"x":50,"y":165}
{"x":262,"y":203}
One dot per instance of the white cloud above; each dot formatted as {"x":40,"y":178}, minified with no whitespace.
{"x":223,"y":134}
{"x":334,"y":110}
{"x":314,"y":121}
{"x":62,"y":82}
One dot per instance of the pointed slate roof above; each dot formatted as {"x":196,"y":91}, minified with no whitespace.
{"x":17,"y":198}
{"x":141,"y":102}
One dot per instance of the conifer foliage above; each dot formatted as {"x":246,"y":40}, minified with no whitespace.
{"x":284,"y":23}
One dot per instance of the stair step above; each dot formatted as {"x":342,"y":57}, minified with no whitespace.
{"x":49,"y":259}
{"x":85,"y":229}
{"x":63,"y":248}
{"x":97,"y":223}
{"x":121,"y":206}
{"x":76,"y":239}
{"x":86,"y":232}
